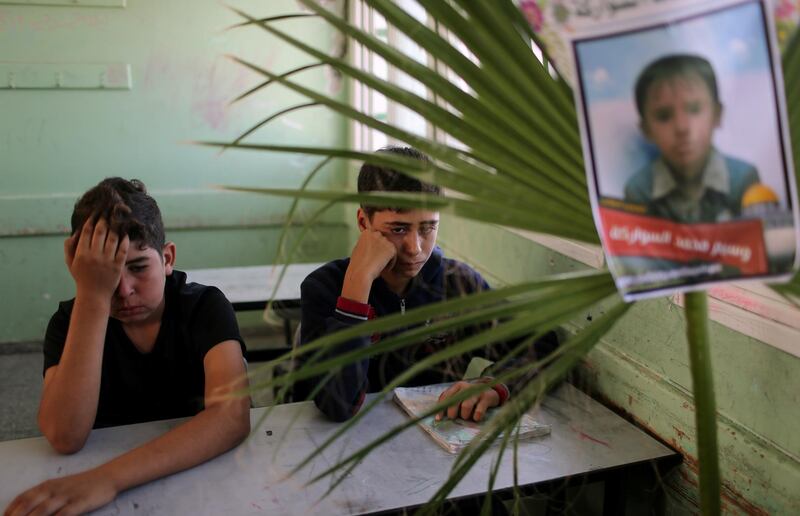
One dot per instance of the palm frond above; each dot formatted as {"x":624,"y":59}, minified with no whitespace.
{"x":570,"y":353}
{"x":469,"y":174}
{"x":547,"y":308}
{"x":523,"y":152}
{"x":521,"y":166}
{"x":549,"y":211}
{"x":791,"y":76}
{"x":476,"y":209}
{"x":272,"y":117}
{"x":271,"y":19}
{"x":506,"y":154}
{"x":574,"y":351}
{"x":280,"y":255}
{"x":266,"y":83}
{"x":551,"y":293}
{"x":482,"y":139}
{"x":513,"y":82}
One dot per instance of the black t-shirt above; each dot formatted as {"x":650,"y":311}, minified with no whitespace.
{"x":168,"y":382}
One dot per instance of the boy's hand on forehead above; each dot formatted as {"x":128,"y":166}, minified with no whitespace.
{"x":95,"y":257}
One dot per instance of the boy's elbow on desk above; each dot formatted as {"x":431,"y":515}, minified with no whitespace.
{"x":65,"y":443}
{"x":243,"y":428}
{"x":235,"y":415}
{"x":64,"y":438}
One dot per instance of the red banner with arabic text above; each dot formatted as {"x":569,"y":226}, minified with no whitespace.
{"x":739,"y":243}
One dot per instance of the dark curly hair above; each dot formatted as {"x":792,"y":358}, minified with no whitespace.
{"x":376,"y":178}
{"x":128,"y":209}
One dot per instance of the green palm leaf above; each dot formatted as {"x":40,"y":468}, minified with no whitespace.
{"x":479,"y":138}
{"x":791,"y":75}
{"x":534,"y":321}
{"x":522,"y":168}
{"x":478,"y":209}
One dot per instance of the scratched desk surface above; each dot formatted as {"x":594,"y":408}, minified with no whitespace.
{"x":405,"y":472}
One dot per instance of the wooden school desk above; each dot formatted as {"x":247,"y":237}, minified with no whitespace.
{"x":250,"y":288}
{"x":587,"y":442}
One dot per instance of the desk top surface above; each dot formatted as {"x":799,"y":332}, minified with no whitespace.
{"x":257,"y":283}
{"x":404,"y":472}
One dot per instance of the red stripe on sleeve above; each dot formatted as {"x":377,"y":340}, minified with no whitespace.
{"x":354,"y":307}
{"x":501,"y":391}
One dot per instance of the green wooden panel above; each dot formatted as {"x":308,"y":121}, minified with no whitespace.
{"x":641,"y":369}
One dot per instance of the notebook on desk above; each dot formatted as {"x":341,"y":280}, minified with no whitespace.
{"x":454,"y":434}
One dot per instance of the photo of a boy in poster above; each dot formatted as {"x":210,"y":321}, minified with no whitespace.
{"x":686,"y":150}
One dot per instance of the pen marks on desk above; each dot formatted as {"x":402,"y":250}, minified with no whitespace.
{"x":420,"y":484}
{"x":586,"y":437}
{"x":313,"y":440}
{"x":142,"y":509}
{"x":363,"y":506}
{"x":115,"y":506}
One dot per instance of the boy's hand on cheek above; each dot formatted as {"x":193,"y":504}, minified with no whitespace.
{"x":95,"y":258}
{"x":73,"y":494}
{"x":372,"y":254}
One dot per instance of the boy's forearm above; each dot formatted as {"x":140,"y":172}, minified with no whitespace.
{"x":69,"y":399}
{"x":212,"y":432}
{"x":356,"y":286}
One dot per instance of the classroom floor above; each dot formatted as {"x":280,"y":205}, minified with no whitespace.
{"x":20,"y":387}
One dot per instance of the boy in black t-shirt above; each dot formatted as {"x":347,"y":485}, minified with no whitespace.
{"x":135,"y":344}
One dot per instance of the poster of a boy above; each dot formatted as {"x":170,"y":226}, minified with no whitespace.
{"x":686,"y":145}
{"x":689,"y":181}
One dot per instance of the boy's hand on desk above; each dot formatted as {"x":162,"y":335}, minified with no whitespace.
{"x":73,"y":494}
{"x":472,"y":408}
{"x":95,"y":257}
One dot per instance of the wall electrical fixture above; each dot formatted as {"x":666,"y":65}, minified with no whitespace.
{"x":67,"y":3}
{"x":60,"y":76}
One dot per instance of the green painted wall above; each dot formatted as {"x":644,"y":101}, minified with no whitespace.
{"x":54,"y":144}
{"x":641,"y":369}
